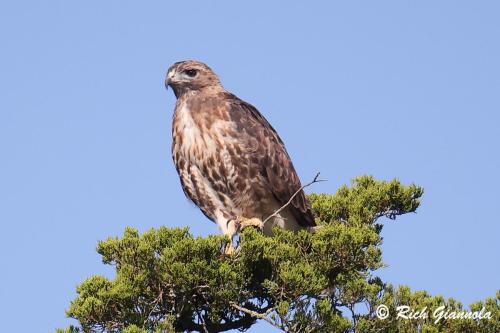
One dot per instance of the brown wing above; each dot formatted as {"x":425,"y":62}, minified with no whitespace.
{"x":276,"y":165}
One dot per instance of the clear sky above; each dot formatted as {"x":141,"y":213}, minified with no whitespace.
{"x":406,"y":89}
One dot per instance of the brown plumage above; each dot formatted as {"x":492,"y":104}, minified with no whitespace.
{"x":231,"y":162}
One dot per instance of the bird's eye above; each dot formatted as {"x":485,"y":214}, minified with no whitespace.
{"x":190,"y":72}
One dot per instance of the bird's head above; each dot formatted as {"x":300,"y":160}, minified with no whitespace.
{"x":190,"y":75}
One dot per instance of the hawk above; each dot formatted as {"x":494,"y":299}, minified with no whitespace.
{"x":231,"y":162}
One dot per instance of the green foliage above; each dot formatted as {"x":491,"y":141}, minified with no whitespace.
{"x":432,"y":322}
{"x":167,"y":280}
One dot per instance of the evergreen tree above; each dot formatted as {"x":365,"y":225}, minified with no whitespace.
{"x":168,"y":281}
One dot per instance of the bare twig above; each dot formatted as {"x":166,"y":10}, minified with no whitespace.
{"x":256,"y":314}
{"x":389,"y":213}
{"x":203,"y":324}
{"x":275,"y":214}
{"x":354,"y":319}
{"x":154,"y":304}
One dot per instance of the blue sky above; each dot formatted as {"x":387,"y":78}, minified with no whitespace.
{"x":389,"y":88}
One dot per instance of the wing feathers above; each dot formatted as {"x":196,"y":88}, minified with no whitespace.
{"x":270,"y":151}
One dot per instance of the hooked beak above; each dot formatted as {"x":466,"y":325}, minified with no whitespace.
{"x":168,"y":80}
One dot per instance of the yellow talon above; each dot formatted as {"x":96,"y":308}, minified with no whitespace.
{"x":252,"y":222}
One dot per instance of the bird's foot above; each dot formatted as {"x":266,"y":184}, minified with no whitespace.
{"x":240,"y":223}
{"x":243,"y":223}
{"x":229,"y":250}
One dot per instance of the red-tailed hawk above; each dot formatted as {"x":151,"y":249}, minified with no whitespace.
{"x":231,"y":162}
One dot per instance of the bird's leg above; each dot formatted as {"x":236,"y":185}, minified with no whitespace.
{"x":230,"y":229}
{"x":235,"y":225}
{"x":229,"y":249}
{"x":244,"y":222}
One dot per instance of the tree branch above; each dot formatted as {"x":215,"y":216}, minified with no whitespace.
{"x":154,"y":304}
{"x":257,"y":314}
{"x":275,"y":214}
{"x":244,"y":322}
{"x":203,"y":324}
